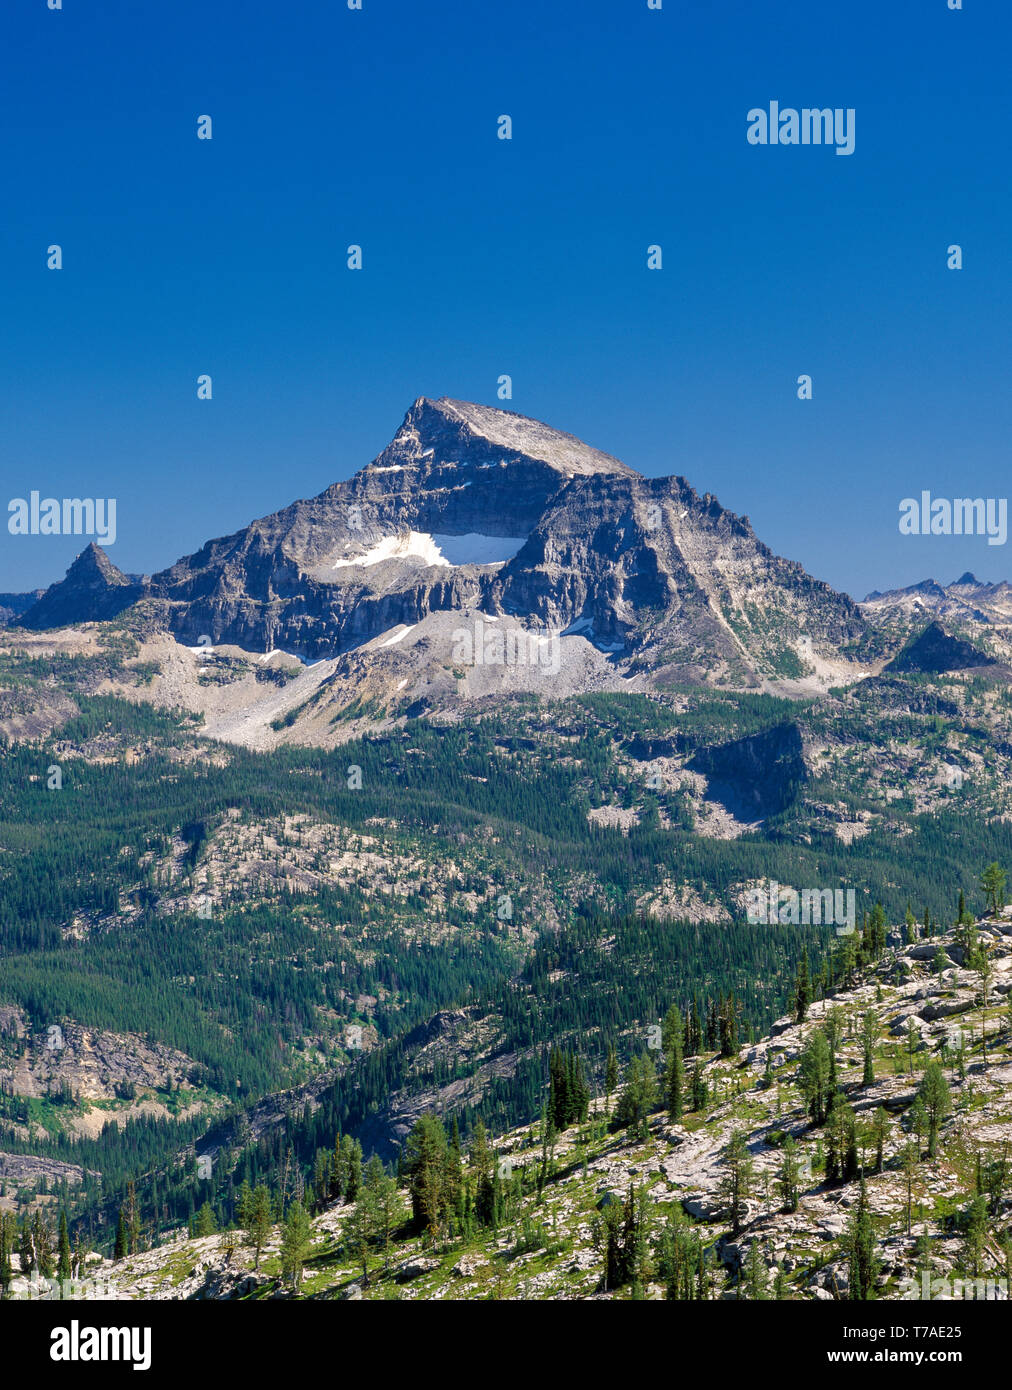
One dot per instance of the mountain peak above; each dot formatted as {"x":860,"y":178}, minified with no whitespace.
{"x":93,"y":589}
{"x":935,"y":650}
{"x":474,"y":509}
{"x":927,"y":587}
{"x":94,"y":563}
{"x":445,"y":422}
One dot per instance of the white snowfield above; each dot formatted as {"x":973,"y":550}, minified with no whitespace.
{"x":471,"y":549}
{"x":392,"y":641}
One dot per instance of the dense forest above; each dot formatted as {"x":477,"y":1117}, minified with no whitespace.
{"x":260,"y":992}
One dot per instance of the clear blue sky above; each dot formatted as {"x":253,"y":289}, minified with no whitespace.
{"x":525,"y":257}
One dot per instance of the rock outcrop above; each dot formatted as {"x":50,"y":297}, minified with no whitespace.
{"x":93,"y":590}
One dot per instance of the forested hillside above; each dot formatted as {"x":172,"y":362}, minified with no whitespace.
{"x":209,"y":950}
{"x":859,"y":1152}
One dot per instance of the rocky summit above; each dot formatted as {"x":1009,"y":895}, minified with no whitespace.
{"x":472,"y":511}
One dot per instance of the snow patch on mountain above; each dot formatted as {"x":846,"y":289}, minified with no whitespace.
{"x":391,"y":641}
{"x":474,"y":548}
{"x":416,"y":543}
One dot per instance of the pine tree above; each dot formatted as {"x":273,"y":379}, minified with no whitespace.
{"x":607,"y":1231}
{"x":354,"y":1169}
{"x":371,"y":1220}
{"x":728,"y":1027}
{"x":677,"y":1257}
{"x":814,"y":1075}
{"x":841,"y":1144}
{"x":63,"y":1262}
{"x":229,"y":1243}
{"x":26,"y":1248}
{"x":937,"y":1101}
{"x":121,"y":1246}
{"x":789,"y":1175}
{"x":675,"y":1078}
{"x":913,"y":1043}
{"x":295,"y":1245}
{"x":568,"y":1092}
{"x":383,"y":1190}
{"x":482,"y":1161}
{"x":992,"y":881}
{"x":833,"y":1027}
{"x":861,"y":1247}
{"x":995,"y":1180}
{"x":426,"y":1168}
{"x":975,"y":1235}
{"x":133,"y":1219}
{"x":639,"y":1095}
{"x":260,"y":1221}
{"x":877,"y":928}
{"x":802,"y":989}
{"x":244,"y":1205}
{"x":322,"y":1165}
{"x":672,"y":1029}
{"x":635,"y":1243}
{"x":736,"y":1184}
{"x":756,"y":1279}
{"x":693,"y":1029}
{"x":610,"y":1077}
{"x":6,"y":1249}
{"x":206,"y":1223}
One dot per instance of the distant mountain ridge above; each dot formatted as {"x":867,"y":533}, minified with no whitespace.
{"x":965,"y":598}
{"x":13,"y":605}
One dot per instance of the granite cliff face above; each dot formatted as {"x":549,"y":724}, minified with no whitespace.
{"x":758,"y":776}
{"x":471,"y":511}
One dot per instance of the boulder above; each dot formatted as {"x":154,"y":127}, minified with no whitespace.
{"x":414,"y":1269}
